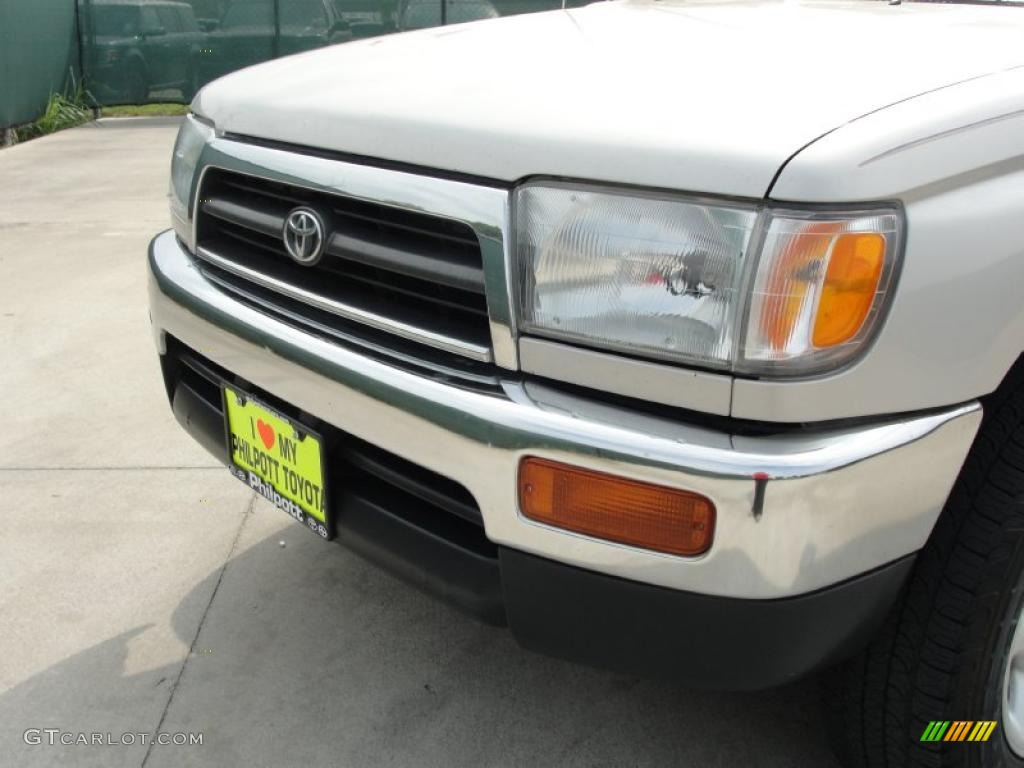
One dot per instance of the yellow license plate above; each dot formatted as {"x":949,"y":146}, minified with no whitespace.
{"x":277,"y":458}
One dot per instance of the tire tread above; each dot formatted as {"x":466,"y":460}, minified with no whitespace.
{"x":879,"y":703}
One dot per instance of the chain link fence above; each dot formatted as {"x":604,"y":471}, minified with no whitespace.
{"x":140,"y":51}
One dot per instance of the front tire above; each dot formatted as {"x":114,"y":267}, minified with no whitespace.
{"x":950,"y":649}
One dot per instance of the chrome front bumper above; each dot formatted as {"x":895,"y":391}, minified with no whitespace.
{"x":837,"y":503}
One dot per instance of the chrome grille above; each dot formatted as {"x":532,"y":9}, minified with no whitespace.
{"x":386,"y":271}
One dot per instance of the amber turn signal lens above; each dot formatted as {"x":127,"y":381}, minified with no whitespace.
{"x":841,"y":271}
{"x":616,"y":509}
{"x":848,"y":292}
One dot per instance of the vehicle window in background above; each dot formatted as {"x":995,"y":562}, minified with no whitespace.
{"x":115,"y":21}
{"x":248,"y":14}
{"x":169,"y":19}
{"x":419,"y":14}
{"x":150,"y":21}
{"x":187,"y":19}
{"x":367,"y":18}
{"x":303,"y":15}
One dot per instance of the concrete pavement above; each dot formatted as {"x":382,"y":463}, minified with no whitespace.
{"x":143,"y":589}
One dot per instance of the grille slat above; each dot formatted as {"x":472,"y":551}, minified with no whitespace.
{"x":374,"y":279}
{"x":415,"y":275}
{"x":238,"y":184}
{"x":480,"y":379}
{"x":263,"y":272}
{"x":419,"y":265}
{"x":249,"y":238}
{"x":244,"y":216}
{"x":462,"y":239}
{"x":293,"y":200}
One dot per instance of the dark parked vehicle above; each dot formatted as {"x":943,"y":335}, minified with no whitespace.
{"x":245,"y":34}
{"x":422,"y":14}
{"x":368,"y":18}
{"x":141,"y":46}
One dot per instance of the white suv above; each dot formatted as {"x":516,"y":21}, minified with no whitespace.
{"x":684,"y":338}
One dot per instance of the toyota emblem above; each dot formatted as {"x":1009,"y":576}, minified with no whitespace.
{"x":304,"y":236}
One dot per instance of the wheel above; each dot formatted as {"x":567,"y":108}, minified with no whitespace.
{"x":136,"y":89}
{"x":952,"y":649}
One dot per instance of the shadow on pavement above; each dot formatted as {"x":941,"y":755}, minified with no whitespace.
{"x":309,"y":656}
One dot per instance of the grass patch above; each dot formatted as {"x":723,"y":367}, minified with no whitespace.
{"x":63,"y":110}
{"x":146,"y":110}
{"x":66,"y":110}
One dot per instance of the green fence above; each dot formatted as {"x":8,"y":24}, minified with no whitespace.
{"x":39,"y":54}
{"x":138,"y":51}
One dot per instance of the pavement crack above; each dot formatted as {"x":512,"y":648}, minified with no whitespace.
{"x":199,"y":628}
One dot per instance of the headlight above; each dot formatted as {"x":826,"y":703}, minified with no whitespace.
{"x":651,"y":275}
{"x":687,"y":280}
{"x":192,"y":137}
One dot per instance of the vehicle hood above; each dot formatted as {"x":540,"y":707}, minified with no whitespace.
{"x":710,"y":97}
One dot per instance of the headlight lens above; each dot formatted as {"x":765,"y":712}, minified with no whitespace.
{"x":687,"y":280}
{"x":657,"y":276}
{"x":192,"y":137}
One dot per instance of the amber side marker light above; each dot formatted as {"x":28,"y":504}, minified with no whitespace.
{"x":616,"y":509}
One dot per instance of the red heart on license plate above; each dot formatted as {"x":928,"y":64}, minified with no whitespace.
{"x":266,"y":433}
